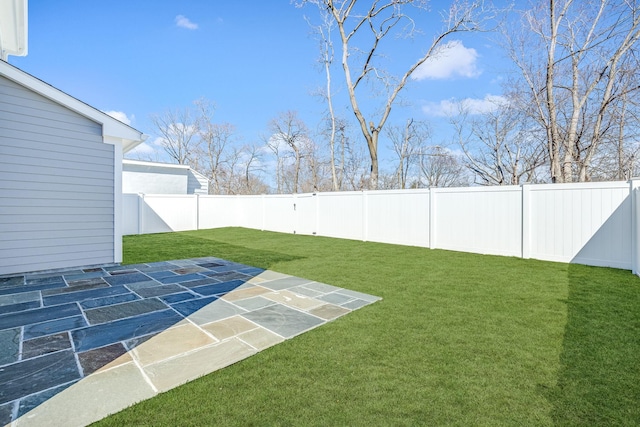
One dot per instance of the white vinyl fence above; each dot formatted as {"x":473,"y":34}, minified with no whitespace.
{"x":587,"y":223}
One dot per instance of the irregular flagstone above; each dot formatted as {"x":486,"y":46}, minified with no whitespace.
{"x":168,"y":374}
{"x":170,"y":343}
{"x":329,"y":311}
{"x":127,"y":278}
{"x":10,"y":346}
{"x":103,"y":358}
{"x":260,"y":338}
{"x":159,"y":290}
{"x":218,"y":288}
{"x":32,"y":401}
{"x":53,"y":326}
{"x":285,"y":283}
{"x":11,"y":282}
{"x":123,"y":329}
{"x":38,"y":315}
{"x":47,"y":344}
{"x":77,"y":288}
{"x":122,"y":310}
{"x":294,"y":300}
{"x":33,"y":375}
{"x":229,"y":327}
{"x":31,"y":288}
{"x":6,"y":413}
{"x":282,"y":320}
{"x":19,"y":298}
{"x":116,"y":299}
{"x":14,"y":308}
{"x":217,"y":310}
{"x":335,"y":298}
{"x":77,"y":345}
{"x":101,"y":393}
{"x":77,"y":294}
{"x":174,"y":298}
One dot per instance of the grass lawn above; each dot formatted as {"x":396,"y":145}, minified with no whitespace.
{"x":458,"y":339}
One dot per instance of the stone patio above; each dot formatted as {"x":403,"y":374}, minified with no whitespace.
{"x":76,"y":346}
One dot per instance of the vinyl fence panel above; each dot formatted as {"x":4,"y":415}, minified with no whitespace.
{"x":341,"y":215}
{"x":217,"y":211}
{"x":306,"y":213}
{"x":279,"y":214}
{"x":398,"y":217}
{"x":485,"y":220}
{"x":131,"y":214}
{"x":249,"y":212}
{"x":163,"y":213}
{"x":587,"y":223}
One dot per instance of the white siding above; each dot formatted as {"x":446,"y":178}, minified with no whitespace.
{"x":56,"y":185}
{"x":197,"y":183}
{"x":154,"y":179}
{"x":161,"y":178}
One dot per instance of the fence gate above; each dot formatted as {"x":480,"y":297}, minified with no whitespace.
{"x":306,"y":213}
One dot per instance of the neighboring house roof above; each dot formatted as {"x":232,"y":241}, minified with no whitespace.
{"x":189,"y":181}
{"x":111,"y":128}
{"x":155,"y":164}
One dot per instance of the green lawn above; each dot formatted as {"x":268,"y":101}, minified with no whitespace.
{"x":458,"y":339}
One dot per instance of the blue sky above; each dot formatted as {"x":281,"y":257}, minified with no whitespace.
{"x":253,"y":59}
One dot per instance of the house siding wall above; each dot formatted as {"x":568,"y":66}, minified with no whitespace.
{"x":151,"y":179}
{"x":56,"y":185}
{"x":197,"y":183}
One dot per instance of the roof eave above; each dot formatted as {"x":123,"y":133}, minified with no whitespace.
{"x":111,"y":128}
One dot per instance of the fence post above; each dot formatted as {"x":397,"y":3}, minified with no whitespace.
{"x":432,"y":218}
{"x":365,"y":215}
{"x":526,"y":220}
{"x":141,"y":213}
{"x":197,"y":213}
{"x":262,"y":211}
{"x":316,"y":232}
{"x":634,"y":196}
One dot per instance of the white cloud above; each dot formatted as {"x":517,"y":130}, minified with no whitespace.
{"x":141,"y":150}
{"x":119,"y":115}
{"x":451,"y":107}
{"x":158,"y":142}
{"x":184,"y":22}
{"x":450,"y":60}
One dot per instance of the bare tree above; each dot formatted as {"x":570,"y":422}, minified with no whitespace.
{"x":242,"y":171}
{"x":215,"y":140}
{"x":355,"y":173}
{"x":408,"y":144}
{"x":575,"y":58}
{"x":324,"y":31}
{"x":620,"y":152}
{"x":252,"y":166}
{"x":440,"y":167}
{"x":498,"y":145}
{"x":290,"y":130}
{"x":233,"y":171}
{"x":363,"y":30}
{"x":280,"y":153}
{"x":336,"y":129}
{"x":178,"y":132}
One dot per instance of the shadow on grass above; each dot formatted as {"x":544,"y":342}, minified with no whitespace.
{"x":599,"y":375}
{"x":145,"y":248}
